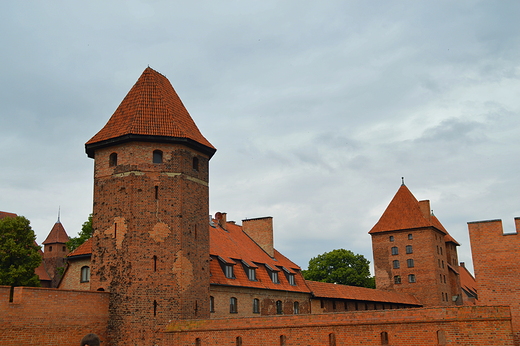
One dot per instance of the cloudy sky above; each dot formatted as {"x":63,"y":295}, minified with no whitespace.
{"x":317,"y":109}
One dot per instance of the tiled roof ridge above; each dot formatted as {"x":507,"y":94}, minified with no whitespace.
{"x":151,"y":110}
{"x":57,"y":235}
{"x":403,"y":212}
{"x":82,"y":250}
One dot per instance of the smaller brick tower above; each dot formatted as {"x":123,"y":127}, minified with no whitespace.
{"x":55,"y":251}
{"x":413,"y":253}
{"x":150,"y":247}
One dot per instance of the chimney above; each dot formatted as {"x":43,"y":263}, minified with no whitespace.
{"x":425,"y":209}
{"x":221,"y":219}
{"x":261,"y":231}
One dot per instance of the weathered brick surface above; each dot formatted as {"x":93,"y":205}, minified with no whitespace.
{"x":495,"y":260}
{"x":45,"y":316}
{"x":463,"y":326}
{"x":72,"y":278}
{"x":151,"y":242}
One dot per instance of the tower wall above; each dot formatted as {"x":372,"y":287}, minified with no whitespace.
{"x":151,"y":241}
{"x":495,"y":260}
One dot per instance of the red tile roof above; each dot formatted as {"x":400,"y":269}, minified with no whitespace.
{"x":404,"y":212}
{"x":57,"y":235}
{"x":40,"y":271}
{"x":467,"y":281}
{"x":233,"y":246}
{"x":6,"y":214}
{"x":151,"y":108}
{"x":83,"y":249}
{"x":328,"y":290}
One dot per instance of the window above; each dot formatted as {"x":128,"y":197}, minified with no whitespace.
{"x":157,"y":156}
{"x":397,"y":279}
{"x":395,"y":250}
{"x":410,"y":236}
{"x":233,"y":305}
{"x":198,"y":342}
{"x":85,"y":274}
{"x":410,"y":263}
{"x":332,"y":339}
{"x":274,"y":277}
{"x":409,"y":249}
{"x":391,"y":238}
{"x":228,"y":270}
{"x":384,"y":338}
{"x":50,"y":248}
{"x":411,"y":278}
{"x":283,"y":340}
{"x":440,"y":248}
{"x":396,"y":264}
{"x":196,"y":163}
{"x":256,"y":306}
{"x":291,"y":279}
{"x":251,"y":274}
{"x":296,"y":308}
{"x":112,"y":160}
{"x":211,"y":304}
{"x":279,"y":307}
{"x":239,"y":341}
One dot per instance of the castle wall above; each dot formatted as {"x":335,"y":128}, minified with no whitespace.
{"x":44,"y":316}
{"x":495,"y":260}
{"x":461,"y":326}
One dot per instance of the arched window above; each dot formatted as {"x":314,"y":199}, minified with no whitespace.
{"x":283,"y":340}
{"x":157,"y":156}
{"x":279,"y":307}
{"x":409,"y":249}
{"x":396,"y":264}
{"x":410,"y":263}
{"x":233,"y":305}
{"x":211,"y":304}
{"x":112,"y":160}
{"x":196,"y":163}
{"x":256,"y":306}
{"x":384,"y":338}
{"x":198,"y":342}
{"x":239,"y":341}
{"x":296,"y":308}
{"x":395,"y":250}
{"x":85,"y":274}
{"x":332,"y":339}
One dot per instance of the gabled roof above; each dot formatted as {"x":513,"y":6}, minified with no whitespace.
{"x":84,"y":249}
{"x":234,"y":247}
{"x":334,"y":291}
{"x":57,"y":235}
{"x":6,"y":214}
{"x":404,"y":212}
{"x":151,"y":111}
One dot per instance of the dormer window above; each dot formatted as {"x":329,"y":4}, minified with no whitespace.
{"x":228,"y":271}
{"x":250,"y":270}
{"x":290,"y":276}
{"x":274,"y":277}
{"x":112,"y":160}
{"x":157,"y":156}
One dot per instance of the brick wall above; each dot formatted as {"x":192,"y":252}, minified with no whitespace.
{"x":461,"y":326}
{"x":267,"y":301}
{"x":495,"y":260}
{"x":72,"y":278}
{"x":45,"y":316}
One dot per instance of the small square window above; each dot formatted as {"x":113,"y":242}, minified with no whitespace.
{"x":410,"y":236}
{"x":391,"y":238}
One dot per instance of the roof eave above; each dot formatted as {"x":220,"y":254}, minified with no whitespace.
{"x":90,"y":148}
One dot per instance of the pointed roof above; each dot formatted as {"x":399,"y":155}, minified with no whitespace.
{"x":151,"y":111}
{"x":404,"y":212}
{"x":57,"y":235}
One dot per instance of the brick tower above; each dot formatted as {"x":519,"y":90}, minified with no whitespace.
{"x":150,"y":216}
{"x":413,"y":253}
{"x":55,"y":251}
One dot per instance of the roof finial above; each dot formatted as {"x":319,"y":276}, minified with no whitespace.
{"x":402,"y":180}
{"x":59,"y":211}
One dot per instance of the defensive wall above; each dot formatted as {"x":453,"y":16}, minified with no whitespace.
{"x":461,"y":326}
{"x":45,"y":316}
{"x":495,"y":260}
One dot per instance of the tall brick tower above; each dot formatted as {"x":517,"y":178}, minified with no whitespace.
{"x":150,"y":216}
{"x":55,"y":251}
{"x":413,"y":253}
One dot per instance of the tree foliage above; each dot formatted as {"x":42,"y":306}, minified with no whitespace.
{"x":19,"y":253}
{"x":83,"y":235}
{"x":340,"y":266}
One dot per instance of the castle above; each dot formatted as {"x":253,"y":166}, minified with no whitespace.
{"x":158,"y":271}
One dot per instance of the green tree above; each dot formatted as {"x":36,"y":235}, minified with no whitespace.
{"x":19,"y":255}
{"x":83,"y":235}
{"x":340,"y":266}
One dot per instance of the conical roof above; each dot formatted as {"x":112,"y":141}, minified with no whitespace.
{"x":57,"y":235}
{"x":151,"y":111}
{"x":404,"y":212}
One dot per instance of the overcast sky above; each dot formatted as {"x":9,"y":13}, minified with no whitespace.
{"x":317,"y":109}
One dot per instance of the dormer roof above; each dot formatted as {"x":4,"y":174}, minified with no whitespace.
{"x":153,"y":112}
{"x":57,"y":235}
